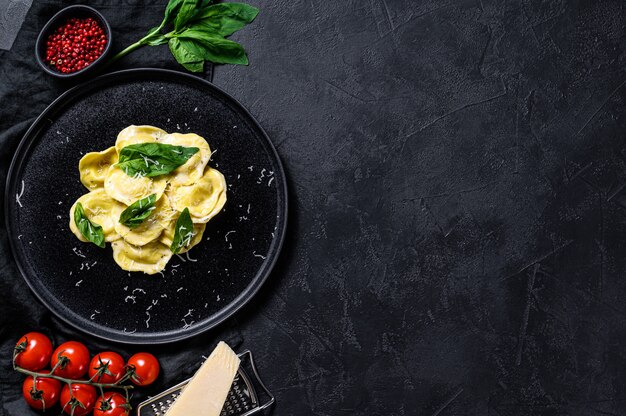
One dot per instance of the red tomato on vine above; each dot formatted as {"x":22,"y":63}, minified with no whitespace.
{"x":70,"y":360}
{"x":41,"y":394}
{"x":33,"y":351}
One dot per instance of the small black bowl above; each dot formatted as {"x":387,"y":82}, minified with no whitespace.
{"x":78,"y":11}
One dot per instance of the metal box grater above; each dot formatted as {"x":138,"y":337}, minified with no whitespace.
{"x":242,"y":400}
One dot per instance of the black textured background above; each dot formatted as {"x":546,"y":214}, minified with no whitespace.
{"x":457,"y":173}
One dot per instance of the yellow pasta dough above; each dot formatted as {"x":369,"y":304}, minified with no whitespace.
{"x":205,"y":198}
{"x":94,"y":167}
{"x":101,"y":209}
{"x":150,"y":258}
{"x":137,"y":134}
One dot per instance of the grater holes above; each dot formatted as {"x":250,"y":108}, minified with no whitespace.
{"x":160,"y":408}
{"x":240,"y":400}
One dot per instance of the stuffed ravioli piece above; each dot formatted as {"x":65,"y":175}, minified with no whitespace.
{"x":101,"y":209}
{"x":168,"y":236}
{"x":151,"y":228}
{"x":137,"y":134}
{"x":193,"y":169}
{"x":205,"y":198}
{"x":150,"y":258}
{"x":128,"y":189}
{"x":94,"y":166}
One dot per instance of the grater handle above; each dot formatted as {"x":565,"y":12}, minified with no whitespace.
{"x":257,"y":378}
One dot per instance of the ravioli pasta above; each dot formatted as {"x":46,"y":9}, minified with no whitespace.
{"x":151,"y":258}
{"x":167,"y":237}
{"x":138,"y":134}
{"x":128,"y":189}
{"x":204,"y":198}
{"x":151,"y":228}
{"x":102,"y":210}
{"x":193,"y":185}
{"x":193,"y":170}
{"x":94,"y":167}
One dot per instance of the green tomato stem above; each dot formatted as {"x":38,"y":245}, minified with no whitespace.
{"x":70,"y":381}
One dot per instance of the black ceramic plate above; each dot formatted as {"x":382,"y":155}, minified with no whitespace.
{"x":80,"y":282}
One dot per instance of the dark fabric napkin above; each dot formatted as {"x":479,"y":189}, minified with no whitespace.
{"x":25,"y":90}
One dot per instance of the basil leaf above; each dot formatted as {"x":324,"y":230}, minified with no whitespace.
{"x":153,"y":159}
{"x":239,"y":11}
{"x":91,"y":231}
{"x":183,"y":232}
{"x":193,"y":66}
{"x":213,"y":47}
{"x":224,"y":18}
{"x":191,"y":62}
{"x":170,"y":10}
{"x":138,"y":211}
{"x":186,"y":12}
{"x":181,"y":54}
{"x":203,"y":26}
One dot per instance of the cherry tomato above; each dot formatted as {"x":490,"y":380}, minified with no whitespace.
{"x":33,"y":351}
{"x":41,"y":394}
{"x":106,"y":367}
{"x":76,"y":360}
{"x":146,"y":368}
{"x":111,"y":404}
{"x":82,"y":399}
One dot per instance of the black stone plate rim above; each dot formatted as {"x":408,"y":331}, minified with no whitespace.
{"x":30,"y":138}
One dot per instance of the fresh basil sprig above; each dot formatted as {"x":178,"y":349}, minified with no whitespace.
{"x":153,"y":159}
{"x":91,"y":231}
{"x":138,"y":211}
{"x":183,"y":232}
{"x":198,"y":33}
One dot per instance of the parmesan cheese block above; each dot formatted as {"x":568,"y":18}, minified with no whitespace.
{"x":207,"y":391}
